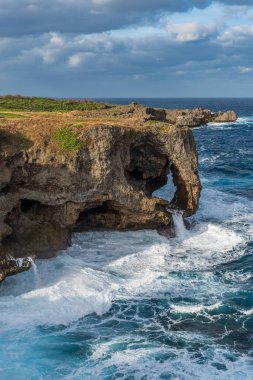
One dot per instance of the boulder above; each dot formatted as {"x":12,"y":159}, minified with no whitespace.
{"x":225,"y":117}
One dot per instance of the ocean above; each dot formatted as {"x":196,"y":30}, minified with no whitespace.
{"x":136,"y":305}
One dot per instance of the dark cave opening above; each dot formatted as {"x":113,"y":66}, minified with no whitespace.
{"x":104,"y":215}
{"x":5,"y":190}
{"x":29,"y":206}
{"x":148,"y":168}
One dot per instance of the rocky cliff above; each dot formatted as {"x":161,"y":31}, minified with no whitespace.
{"x":182,"y":117}
{"x":81,"y":170}
{"x":76,"y":171}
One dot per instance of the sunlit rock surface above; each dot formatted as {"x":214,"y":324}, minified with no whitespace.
{"x":105,"y":180}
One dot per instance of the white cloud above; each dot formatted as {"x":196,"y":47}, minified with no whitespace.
{"x":77,"y":59}
{"x":102,"y":2}
{"x":186,"y":32}
{"x":48,"y":55}
{"x":235,"y":34}
{"x":5,"y":42}
{"x":245,"y":70}
{"x":51,"y":48}
{"x":56,"y":39}
{"x":150,"y":51}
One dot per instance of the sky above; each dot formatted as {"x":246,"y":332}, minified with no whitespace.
{"x":126,"y":48}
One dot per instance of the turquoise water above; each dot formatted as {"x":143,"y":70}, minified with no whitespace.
{"x":134,"y":305}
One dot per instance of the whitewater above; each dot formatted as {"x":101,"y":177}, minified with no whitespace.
{"x":136,"y":305}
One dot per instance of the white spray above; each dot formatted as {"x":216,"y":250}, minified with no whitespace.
{"x":26,"y":262}
{"x":179,"y":226}
{"x":35,"y":272}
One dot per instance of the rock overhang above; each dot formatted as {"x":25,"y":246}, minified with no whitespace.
{"x":107,"y":181}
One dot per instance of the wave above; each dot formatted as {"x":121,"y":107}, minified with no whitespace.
{"x":194,"y":309}
{"x":247,"y":312}
{"x":248,"y":120}
{"x":244,"y":120}
{"x":215,"y":204}
{"x":78,"y":294}
{"x":161,"y":362}
{"x":78,"y":290}
{"x":100,"y":268}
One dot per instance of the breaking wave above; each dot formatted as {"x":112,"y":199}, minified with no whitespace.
{"x":135,"y":305}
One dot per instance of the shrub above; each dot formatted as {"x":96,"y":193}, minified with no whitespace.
{"x":67,"y":139}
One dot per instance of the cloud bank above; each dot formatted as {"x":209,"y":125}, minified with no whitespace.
{"x":116,"y":48}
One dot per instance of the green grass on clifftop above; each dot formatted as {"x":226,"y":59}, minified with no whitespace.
{"x":26,"y":104}
{"x":7,"y":115}
{"x":67,"y":139}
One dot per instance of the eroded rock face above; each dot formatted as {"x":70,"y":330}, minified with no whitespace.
{"x":180,"y":117}
{"x":191,"y":118}
{"x":225,"y":117}
{"x":198,"y":116}
{"x":107,"y":183}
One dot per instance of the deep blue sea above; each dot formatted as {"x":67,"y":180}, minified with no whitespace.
{"x":135,"y":305}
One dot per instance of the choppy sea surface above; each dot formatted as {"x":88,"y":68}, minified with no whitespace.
{"x":134,"y":305}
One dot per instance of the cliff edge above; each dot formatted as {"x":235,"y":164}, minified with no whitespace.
{"x":61,"y":172}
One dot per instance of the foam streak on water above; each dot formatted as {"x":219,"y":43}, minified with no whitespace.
{"x":135,"y":305}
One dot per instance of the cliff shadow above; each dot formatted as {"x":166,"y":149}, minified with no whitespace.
{"x":13,"y":142}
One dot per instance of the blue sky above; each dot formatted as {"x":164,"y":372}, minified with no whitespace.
{"x":126,"y":48}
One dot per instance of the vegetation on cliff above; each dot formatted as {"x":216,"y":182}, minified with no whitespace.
{"x":67,"y":138}
{"x":34,"y":104}
{"x":7,"y":115}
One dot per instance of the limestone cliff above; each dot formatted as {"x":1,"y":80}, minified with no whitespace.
{"x":196,"y":117}
{"x":180,"y":117}
{"x":104,"y":178}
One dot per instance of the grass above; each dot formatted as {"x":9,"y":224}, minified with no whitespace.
{"x":64,"y":132}
{"x":7,"y":115}
{"x":27,"y":104}
{"x":67,"y":139}
{"x":155,"y":121}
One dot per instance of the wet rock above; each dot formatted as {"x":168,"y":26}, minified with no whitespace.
{"x":10,"y":266}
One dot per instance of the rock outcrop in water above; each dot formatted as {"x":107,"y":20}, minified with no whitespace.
{"x":83,"y":171}
{"x":225,"y":117}
{"x":180,"y":117}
